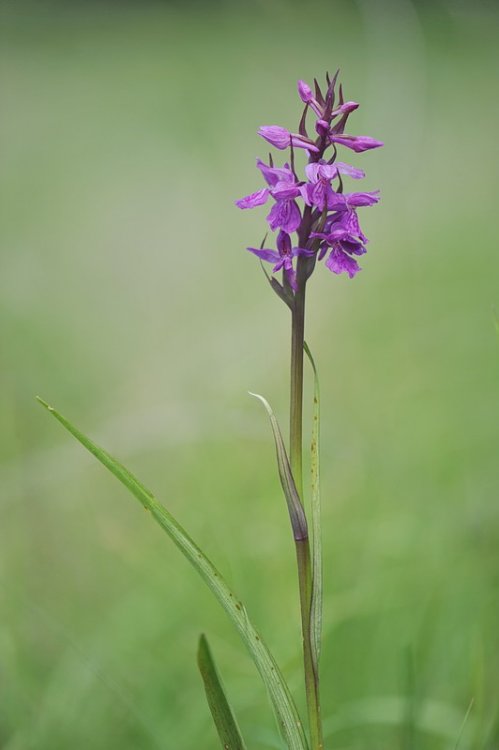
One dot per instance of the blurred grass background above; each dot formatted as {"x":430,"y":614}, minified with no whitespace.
{"x":127,"y":300}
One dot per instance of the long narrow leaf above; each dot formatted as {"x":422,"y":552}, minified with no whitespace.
{"x":224,"y":719}
{"x":315,"y":508}
{"x":295,"y":507}
{"x":282,"y":701}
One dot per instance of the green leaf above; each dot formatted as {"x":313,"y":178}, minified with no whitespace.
{"x":224,"y":719}
{"x":295,"y":507}
{"x":315,"y":512}
{"x":278,"y":288}
{"x":285,"y":710}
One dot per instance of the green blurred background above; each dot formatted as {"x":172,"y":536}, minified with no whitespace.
{"x":127,"y":300}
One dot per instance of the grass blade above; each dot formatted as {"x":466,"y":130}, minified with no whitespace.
{"x":315,"y":514}
{"x":224,"y":719}
{"x":295,"y":507}
{"x":285,"y":710}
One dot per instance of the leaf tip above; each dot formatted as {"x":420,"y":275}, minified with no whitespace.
{"x":44,"y":403}
{"x":260,"y":398}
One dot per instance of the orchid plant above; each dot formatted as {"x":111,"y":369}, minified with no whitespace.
{"x":324,"y":219}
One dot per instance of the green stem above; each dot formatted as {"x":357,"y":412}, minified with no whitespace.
{"x":303,"y":546}
{"x":311,"y":675}
{"x":296,"y":400}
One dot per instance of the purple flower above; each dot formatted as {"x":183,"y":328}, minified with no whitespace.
{"x":283,"y":187}
{"x":342,"y":225}
{"x":318,"y":191}
{"x":342,"y":233}
{"x":344,"y":228}
{"x":357,"y":143}
{"x":283,"y":257}
{"x":282,"y":138}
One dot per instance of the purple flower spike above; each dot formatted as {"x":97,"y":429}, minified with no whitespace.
{"x":283,"y":257}
{"x":357,"y":143}
{"x":328,"y":221}
{"x":282,"y":138}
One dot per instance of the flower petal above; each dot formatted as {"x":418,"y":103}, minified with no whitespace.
{"x":305,"y":92}
{"x":290,"y":273}
{"x":284,"y":215}
{"x":283,"y":243}
{"x":312,"y":171}
{"x":345,"y":108}
{"x":362,"y":199}
{"x":271,"y":256}
{"x":273,"y":175}
{"x":357,"y":143}
{"x":284,"y":190}
{"x":253,"y":200}
{"x":347,"y":169}
{"x":339,"y":262}
{"x":276,"y":136}
{"x":346,"y":201}
{"x":353,"y":247}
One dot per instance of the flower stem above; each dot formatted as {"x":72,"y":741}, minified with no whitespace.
{"x":303,"y":546}
{"x":311,"y":675}
{"x":296,"y":399}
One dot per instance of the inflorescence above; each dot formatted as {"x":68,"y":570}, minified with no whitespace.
{"x":327,"y":224}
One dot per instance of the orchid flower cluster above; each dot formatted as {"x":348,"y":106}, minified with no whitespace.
{"x":327,"y":224}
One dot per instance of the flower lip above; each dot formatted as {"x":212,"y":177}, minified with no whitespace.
{"x":284,"y":215}
{"x":340,"y":262}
